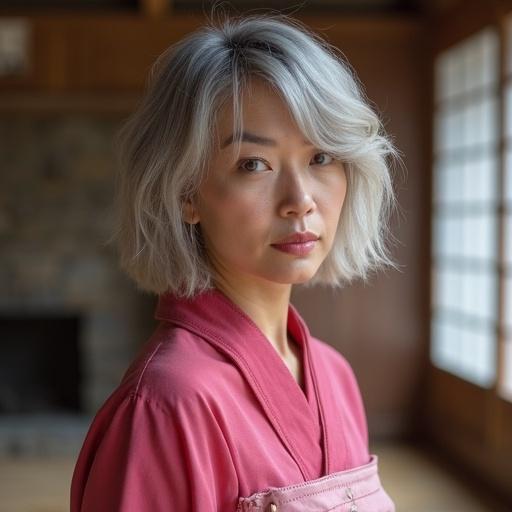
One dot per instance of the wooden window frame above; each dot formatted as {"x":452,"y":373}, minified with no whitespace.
{"x":471,"y":424}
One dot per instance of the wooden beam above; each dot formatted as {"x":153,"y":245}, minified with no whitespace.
{"x":155,"y":8}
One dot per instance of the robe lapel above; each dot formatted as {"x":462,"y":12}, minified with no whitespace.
{"x":293,"y":415}
{"x":335,"y":449}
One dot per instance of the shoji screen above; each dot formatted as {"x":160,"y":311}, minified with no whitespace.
{"x":469,"y":393}
{"x":465,"y":209}
{"x":505,"y":385}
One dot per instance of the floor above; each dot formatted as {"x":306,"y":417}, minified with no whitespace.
{"x":418,"y":483}
{"x":414,"y":482}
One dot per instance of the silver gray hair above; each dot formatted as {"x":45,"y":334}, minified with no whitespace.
{"x":164,"y":147}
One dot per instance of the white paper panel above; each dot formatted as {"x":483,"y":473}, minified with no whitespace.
{"x":466,"y":236}
{"x":467,"y":66}
{"x":474,"y":63}
{"x":488,"y":117}
{"x":481,"y":349}
{"x":508,"y":302}
{"x":445,"y":346}
{"x":448,"y":286}
{"x":489,"y":44}
{"x":443,"y":76}
{"x":473,"y":128}
{"x":508,"y":177}
{"x":508,"y":43}
{"x":441,"y":120}
{"x":468,"y":292}
{"x":480,"y":180}
{"x":465,"y":214}
{"x":470,"y":124}
{"x":479,"y":239}
{"x":448,"y":179}
{"x":508,"y":109}
{"x":479,"y":290}
{"x":448,"y":235}
{"x":471,"y":181}
{"x":508,"y":239}
{"x":464,"y":351}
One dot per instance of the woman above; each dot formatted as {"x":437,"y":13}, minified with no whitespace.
{"x":252,"y":164}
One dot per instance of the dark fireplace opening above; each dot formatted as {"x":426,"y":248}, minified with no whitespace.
{"x":40,"y":364}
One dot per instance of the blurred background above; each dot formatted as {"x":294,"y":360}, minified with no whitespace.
{"x":431,"y":345}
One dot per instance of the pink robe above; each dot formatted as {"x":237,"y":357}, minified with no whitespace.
{"x":209,"y":413}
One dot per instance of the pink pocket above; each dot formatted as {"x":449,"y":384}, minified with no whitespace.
{"x":354,"y":490}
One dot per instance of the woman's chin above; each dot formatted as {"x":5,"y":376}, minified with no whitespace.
{"x":295,"y":277}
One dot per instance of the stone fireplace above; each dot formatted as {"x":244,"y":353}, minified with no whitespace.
{"x":70,"y":321}
{"x":33,"y":377}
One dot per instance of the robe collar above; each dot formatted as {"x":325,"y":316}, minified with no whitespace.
{"x":293,"y":413}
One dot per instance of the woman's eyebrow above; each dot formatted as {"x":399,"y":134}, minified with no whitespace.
{"x":255,"y":139}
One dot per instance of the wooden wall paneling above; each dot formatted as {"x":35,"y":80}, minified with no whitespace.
{"x":458,"y":406}
{"x":463,"y":19}
{"x":115,"y":51}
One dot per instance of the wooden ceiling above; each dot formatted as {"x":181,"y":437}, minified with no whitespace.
{"x":340,"y":6}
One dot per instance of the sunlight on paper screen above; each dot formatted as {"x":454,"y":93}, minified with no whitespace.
{"x":465,"y":221}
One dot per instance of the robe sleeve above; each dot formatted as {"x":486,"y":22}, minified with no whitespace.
{"x":155,"y":459}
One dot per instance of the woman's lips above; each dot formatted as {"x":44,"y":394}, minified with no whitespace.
{"x":296,"y":248}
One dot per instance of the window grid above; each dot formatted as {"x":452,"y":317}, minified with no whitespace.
{"x":505,"y":385}
{"x":465,"y":209}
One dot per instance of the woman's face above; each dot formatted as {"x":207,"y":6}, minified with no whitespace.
{"x":279,"y":186}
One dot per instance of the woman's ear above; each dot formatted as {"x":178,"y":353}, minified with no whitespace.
{"x":190,"y":213}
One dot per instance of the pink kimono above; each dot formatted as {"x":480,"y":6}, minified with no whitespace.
{"x":209,"y":418}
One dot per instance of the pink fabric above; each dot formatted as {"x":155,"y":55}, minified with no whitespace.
{"x":208,"y":412}
{"x":353,"y":490}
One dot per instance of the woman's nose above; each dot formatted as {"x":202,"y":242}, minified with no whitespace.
{"x":296,"y":195}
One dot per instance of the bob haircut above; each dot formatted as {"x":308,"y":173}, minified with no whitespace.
{"x":164,"y":147}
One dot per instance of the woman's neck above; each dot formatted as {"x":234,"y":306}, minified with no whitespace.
{"x":267,"y":306}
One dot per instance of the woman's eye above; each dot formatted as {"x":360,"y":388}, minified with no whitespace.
{"x":251,"y":165}
{"x":323,"y":159}
{"x":255,"y":165}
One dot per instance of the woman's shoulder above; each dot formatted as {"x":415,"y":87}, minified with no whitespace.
{"x":147,"y":444}
{"x":173,"y":366}
{"x":167,"y":384}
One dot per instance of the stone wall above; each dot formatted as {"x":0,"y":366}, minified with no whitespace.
{"x":56,"y":191}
